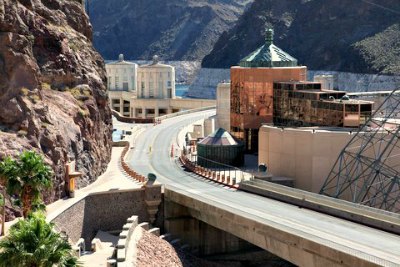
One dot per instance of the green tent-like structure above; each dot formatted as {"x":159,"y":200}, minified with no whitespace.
{"x":220,"y":147}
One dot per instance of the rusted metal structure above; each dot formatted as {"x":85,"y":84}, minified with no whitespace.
{"x":367,"y":170}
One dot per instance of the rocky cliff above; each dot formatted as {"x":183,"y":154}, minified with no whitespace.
{"x":355,"y":36}
{"x":173,"y":29}
{"x":52,"y":88}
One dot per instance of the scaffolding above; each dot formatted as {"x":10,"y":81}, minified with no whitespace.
{"x":367,"y":169}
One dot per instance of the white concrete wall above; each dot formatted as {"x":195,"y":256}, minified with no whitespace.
{"x":224,"y":106}
{"x":302,"y":154}
{"x":327,"y":81}
{"x":209,"y":126}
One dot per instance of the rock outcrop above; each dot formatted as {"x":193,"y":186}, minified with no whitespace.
{"x":53,"y":97}
{"x":173,"y":29}
{"x":338,"y":35}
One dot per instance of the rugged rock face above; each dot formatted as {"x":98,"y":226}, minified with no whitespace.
{"x":52,"y":88}
{"x":354,"y":36}
{"x":173,"y":29}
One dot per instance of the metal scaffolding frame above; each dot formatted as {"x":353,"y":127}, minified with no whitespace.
{"x":367,"y":169}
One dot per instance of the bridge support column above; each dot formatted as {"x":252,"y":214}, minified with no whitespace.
{"x":201,"y":237}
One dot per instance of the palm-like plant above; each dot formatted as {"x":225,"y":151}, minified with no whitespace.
{"x":34,"y":243}
{"x":26,"y":178}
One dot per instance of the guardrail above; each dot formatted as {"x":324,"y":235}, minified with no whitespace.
{"x":131,"y":173}
{"x":171,"y":115}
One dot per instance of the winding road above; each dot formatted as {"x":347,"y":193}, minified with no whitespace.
{"x":151,"y":154}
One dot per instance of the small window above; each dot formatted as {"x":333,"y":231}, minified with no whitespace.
{"x":116,"y":82}
{"x":151,"y":89}
{"x":142,"y":90}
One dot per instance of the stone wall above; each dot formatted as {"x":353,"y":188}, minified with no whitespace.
{"x":106,"y":211}
{"x":71,"y":220}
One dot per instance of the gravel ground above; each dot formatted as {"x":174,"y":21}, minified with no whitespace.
{"x":153,"y":251}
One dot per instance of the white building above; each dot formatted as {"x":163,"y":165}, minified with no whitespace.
{"x":156,"y":80}
{"x":147,"y":91}
{"x":121,"y":75}
{"x":327,"y":81}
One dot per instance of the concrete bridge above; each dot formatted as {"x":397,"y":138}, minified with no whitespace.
{"x":302,"y":236}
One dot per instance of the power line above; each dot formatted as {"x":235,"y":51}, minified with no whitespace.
{"x":383,"y":7}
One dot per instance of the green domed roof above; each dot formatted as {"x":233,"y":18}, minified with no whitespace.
{"x":268,"y":55}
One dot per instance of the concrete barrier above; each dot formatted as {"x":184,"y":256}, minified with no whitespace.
{"x":131,"y":173}
{"x":125,"y":237}
{"x":372,"y":217}
{"x":171,"y":115}
{"x":122,"y":118}
{"x":155,"y":231}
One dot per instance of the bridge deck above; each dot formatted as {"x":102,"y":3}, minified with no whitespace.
{"x":336,"y":237}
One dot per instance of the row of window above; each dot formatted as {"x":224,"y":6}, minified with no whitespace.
{"x":142,"y":74}
{"x":125,"y":83}
{"x":123,"y":70}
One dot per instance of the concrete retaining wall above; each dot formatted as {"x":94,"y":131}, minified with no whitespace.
{"x":105,"y":211}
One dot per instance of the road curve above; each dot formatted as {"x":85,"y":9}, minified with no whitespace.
{"x":151,"y":154}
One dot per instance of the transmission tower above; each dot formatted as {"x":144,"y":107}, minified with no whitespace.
{"x":367,"y":170}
